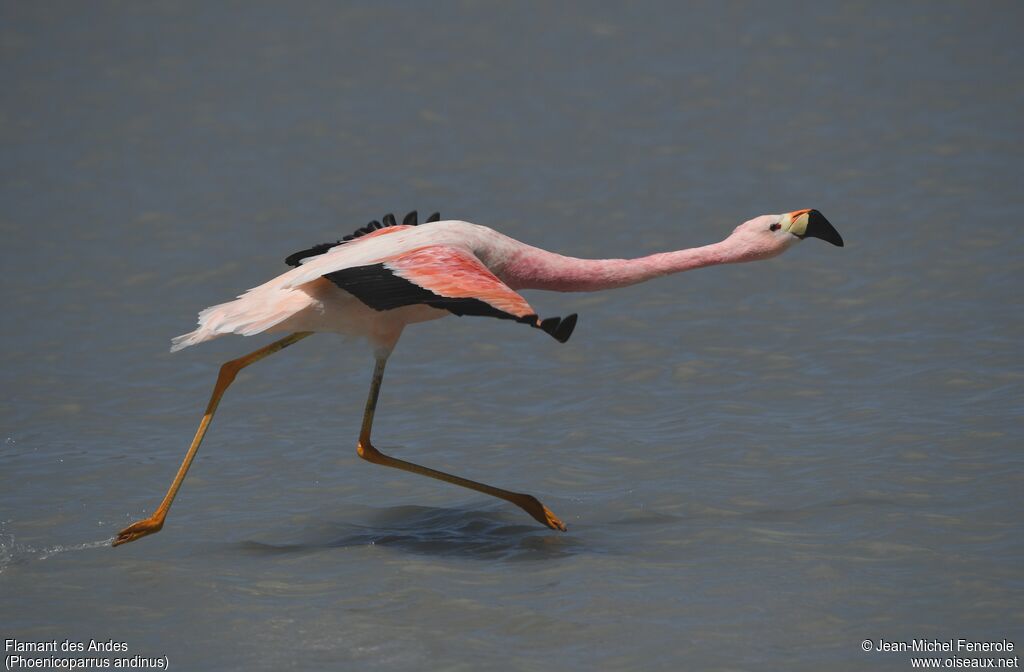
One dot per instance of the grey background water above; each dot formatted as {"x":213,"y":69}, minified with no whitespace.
{"x":760,"y":465}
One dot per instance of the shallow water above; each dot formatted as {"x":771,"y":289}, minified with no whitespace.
{"x":760,"y":466}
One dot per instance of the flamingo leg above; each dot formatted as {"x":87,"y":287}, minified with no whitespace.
{"x":227,"y":375}
{"x":365,"y":449}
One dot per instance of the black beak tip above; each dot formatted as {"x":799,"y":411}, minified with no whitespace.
{"x":819,"y":227}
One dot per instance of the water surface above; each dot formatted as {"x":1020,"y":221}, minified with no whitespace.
{"x":760,"y":465}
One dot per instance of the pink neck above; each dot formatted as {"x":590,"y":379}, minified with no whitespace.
{"x":534,"y":268}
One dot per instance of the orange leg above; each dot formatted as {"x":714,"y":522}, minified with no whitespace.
{"x":227,"y":375}
{"x":365,"y":449}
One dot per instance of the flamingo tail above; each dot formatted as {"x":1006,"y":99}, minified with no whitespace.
{"x":254,"y":312}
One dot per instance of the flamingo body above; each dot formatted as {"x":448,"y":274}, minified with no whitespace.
{"x":355,"y":288}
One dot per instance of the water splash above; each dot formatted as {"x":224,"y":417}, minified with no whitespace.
{"x":12,"y":552}
{"x":50,"y":552}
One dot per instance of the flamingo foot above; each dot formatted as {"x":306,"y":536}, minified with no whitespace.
{"x":137,"y":530}
{"x":540,"y":513}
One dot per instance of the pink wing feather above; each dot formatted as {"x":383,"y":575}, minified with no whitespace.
{"x":457,"y":274}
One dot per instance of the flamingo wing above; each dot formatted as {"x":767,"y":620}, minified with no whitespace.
{"x":445,"y":277}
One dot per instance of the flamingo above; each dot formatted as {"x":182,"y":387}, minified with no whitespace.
{"x":374,"y":282}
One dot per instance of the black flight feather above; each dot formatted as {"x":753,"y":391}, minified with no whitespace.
{"x":389,"y":220}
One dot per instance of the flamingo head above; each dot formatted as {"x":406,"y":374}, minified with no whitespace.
{"x":770,"y":235}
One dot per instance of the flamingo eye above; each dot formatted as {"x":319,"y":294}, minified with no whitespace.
{"x":775,"y":227}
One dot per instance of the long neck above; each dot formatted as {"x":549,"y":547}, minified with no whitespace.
{"x":534,"y":268}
